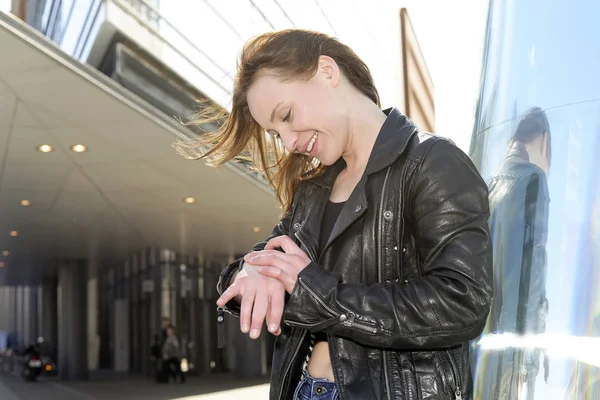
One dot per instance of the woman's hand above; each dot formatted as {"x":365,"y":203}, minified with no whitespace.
{"x":283,"y":266}
{"x":261,"y":297}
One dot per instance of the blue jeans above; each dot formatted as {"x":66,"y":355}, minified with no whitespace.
{"x":311,"y":388}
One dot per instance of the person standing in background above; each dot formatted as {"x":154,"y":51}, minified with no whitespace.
{"x":171,"y":353}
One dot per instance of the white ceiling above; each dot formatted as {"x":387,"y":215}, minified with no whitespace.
{"x":122,"y":195}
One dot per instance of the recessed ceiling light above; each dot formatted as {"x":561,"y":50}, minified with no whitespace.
{"x":45,"y":148}
{"x":189,"y":200}
{"x":6,"y":253}
{"x":256,"y":229}
{"x":1,"y":264}
{"x":14,"y":233}
{"x":79,"y":148}
{"x":25,"y":203}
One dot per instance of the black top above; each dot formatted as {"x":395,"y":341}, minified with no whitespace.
{"x":332,"y":211}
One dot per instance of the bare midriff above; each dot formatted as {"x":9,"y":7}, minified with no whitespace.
{"x":319,"y":364}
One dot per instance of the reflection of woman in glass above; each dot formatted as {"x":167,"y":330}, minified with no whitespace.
{"x":519,"y":202}
{"x":385,"y":249}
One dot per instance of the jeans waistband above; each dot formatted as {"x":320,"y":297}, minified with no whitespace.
{"x":311,"y":388}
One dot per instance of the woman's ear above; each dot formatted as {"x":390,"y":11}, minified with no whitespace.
{"x":329,"y":70}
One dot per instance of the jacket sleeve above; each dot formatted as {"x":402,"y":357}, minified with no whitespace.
{"x":282,"y":228}
{"x":448,"y":303}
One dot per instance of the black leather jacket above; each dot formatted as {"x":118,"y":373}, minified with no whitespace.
{"x":404,"y":281}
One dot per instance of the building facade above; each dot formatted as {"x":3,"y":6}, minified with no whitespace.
{"x":98,"y":275}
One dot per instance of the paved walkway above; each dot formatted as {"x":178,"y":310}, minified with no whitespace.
{"x":111,"y":386}
{"x":6,"y":393}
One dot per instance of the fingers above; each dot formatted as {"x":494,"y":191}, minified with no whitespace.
{"x":259,"y":301}
{"x":281,"y":275}
{"x":285,"y":243}
{"x":275,"y":312}
{"x":246,"y":309}
{"x":270,"y":258}
{"x":258,"y":314}
{"x":231,"y":292}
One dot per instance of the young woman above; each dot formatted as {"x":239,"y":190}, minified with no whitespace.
{"x":379,"y":272}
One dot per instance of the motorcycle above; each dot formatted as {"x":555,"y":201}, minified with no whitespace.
{"x":32,"y":368}
{"x":32,"y":362}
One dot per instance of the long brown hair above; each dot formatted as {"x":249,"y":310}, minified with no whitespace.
{"x":293,"y":54}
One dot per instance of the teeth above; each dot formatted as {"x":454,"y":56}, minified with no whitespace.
{"x":312,"y":142}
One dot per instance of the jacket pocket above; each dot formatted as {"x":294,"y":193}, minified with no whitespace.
{"x":431,"y":375}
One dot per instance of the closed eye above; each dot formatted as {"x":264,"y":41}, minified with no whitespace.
{"x":287,"y":117}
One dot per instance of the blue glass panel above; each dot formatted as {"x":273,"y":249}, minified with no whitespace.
{"x":537,"y":142}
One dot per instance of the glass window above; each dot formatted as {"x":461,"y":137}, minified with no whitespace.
{"x":537,"y":143}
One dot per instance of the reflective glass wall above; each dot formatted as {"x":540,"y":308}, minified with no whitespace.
{"x":537,"y":143}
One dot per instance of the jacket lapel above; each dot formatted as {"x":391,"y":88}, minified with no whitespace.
{"x":391,"y":142}
{"x":355,"y":207}
{"x":309,"y":232}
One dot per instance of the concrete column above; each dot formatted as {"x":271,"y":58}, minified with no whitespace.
{"x":156,"y":276}
{"x":121,"y":329}
{"x":3,"y":312}
{"x":19,"y":316}
{"x":30,"y":314}
{"x":49,"y":312}
{"x":4,"y":308}
{"x":13,"y":321}
{"x":72,"y":326}
{"x":26,"y":316}
{"x":93,"y":338}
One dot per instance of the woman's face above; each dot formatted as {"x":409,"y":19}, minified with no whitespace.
{"x":308,"y":116}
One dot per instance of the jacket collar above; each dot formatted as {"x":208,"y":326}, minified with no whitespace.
{"x":392,"y":140}
{"x":517,"y":151}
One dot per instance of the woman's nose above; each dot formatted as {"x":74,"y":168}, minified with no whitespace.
{"x":290,"y":141}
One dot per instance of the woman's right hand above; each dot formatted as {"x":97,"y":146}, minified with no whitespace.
{"x":261,"y":297}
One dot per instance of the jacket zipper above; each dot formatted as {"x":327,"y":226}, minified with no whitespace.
{"x":350,"y":323}
{"x":453,"y":367}
{"x":337,"y":314}
{"x":289,"y":366}
{"x":318,"y":298}
{"x":342,"y":318}
{"x":361,"y":326}
{"x":384,"y":353}
{"x":298,"y":324}
{"x":406,"y":376}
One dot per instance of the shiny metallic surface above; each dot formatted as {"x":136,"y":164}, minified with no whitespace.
{"x":542,"y":340}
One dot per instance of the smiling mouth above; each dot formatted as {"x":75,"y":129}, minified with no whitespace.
{"x":312,"y":142}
